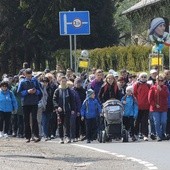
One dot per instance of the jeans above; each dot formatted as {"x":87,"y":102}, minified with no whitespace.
{"x":160,"y":119}
{"x":152,"y":125}
{"x":45,"y":123}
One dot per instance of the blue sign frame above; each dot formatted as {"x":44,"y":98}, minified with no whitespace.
{"x":74,"y":22}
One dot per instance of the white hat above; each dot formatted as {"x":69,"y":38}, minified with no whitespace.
{"x":129,"y":88}
{"x":143,"y":74}
{"x":153,"y":71}
{"x":116,"y":74}
{"x":111,"y":71}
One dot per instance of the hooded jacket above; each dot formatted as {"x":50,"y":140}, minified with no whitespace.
{"x":8,"y":101}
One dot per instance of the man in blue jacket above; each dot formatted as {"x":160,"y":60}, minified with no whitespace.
{"x":30,"y":92}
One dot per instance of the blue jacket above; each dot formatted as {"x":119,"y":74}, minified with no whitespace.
{"x":131,"y":106}
{"x":8,"y":102}
{"x":26,"y":98}
{"x":90,"y":108}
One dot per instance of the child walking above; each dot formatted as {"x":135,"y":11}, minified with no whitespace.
{"x":130,"y":111}
{"x":90,"y":110}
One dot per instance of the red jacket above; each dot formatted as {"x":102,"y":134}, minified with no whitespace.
{"x":141,"y":91}
{"x":159,"y":97}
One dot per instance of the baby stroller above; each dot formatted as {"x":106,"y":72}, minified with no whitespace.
{"x":111,"y":124}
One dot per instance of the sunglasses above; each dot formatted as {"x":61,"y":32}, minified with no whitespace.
{"x":143,"y":77}
{"x":161,"y":80}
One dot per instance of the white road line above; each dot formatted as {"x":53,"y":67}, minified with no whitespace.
{"x":145,"y":163}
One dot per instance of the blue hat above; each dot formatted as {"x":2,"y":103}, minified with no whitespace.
{"x":89,"y":92}
{"x":155,"y":23}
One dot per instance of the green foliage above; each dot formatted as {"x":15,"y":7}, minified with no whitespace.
{"x":133,"y":58}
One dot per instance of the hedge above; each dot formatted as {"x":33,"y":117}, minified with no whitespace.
{"x":133,"y":58}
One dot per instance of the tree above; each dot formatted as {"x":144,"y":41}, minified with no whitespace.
{"x":103,"y":29}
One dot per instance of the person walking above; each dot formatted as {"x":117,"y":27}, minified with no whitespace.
{"x":90,"y":110}
{"x":63,"y":101}
{"x":30,"y":92}
{"x":7,"y":106}
{"x":158,"y":100}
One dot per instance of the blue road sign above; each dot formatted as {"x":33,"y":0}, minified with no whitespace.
{"x":74,"y":23}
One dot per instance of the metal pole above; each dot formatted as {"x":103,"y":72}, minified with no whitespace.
{"x":75,"y":58}
{"x":71,"y":59}
{"x":75,"y":48}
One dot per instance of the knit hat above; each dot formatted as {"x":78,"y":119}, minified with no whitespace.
{"x":129,"y":88}
{"x":155,"y":23}
{"x":89,"y":93}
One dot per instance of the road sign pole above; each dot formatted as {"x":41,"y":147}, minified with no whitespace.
{"x":71,"y":59}
{"x":75,"y":49}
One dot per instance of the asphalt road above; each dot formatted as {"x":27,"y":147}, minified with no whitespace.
{"x":151,"y":154}
{"x":15,"y":154}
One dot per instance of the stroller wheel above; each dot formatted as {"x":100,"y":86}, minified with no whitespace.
{"x":103,"y":136}
{"x":125,"y":135}
{"x":100,"y":136}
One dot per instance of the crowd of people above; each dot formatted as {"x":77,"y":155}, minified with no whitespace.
{"x":59,"y":103}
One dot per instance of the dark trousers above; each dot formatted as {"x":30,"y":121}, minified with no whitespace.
{"x":53,"y":124}
{"x":5,"y":118}
{"x":128,"y":122}
{"x":73,"y":125}
{"x":91,"y":128}
{"x":168,"y":122}
{"x":64,"y":124}
{"x":141,"y":123}
{"x":80,"y":127}
{"x":31,"y":110}
{"x":17,"y":122}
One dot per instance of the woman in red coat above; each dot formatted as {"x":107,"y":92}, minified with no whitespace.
{"x":158,"y":100}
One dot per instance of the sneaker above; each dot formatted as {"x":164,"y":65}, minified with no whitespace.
{"x":28,"y":141}
{"x":75,"y":140}
{"x":164,"y":137}
{"x":153,"y":137}
{"x":88,"y":141}
{"x":14,"y":134}
{"x":5,"y":135}
{"x":1,"y":134}
{"x":159,"y":139}
{"x":68,"y":140}
{"x":61,"y":141}
{"x":46,"y":139}
{"x":52,"y":137}
{"x":145,"y":138}
{"x":36,"y":139}
{"x":134,"y":138}
{"x":168,"y":136}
